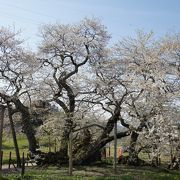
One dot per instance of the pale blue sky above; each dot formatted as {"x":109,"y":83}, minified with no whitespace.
{"x":122,"y":17}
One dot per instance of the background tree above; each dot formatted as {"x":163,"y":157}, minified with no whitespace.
{"x":16,"y":68}
{"x":154,"y":80}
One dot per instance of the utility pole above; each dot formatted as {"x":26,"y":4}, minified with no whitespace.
{"x":70,"y":153}
{"x":115,"y":148}
{"x":2,"y":110}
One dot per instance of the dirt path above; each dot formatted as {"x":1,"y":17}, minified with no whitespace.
{"x":6,"y":169}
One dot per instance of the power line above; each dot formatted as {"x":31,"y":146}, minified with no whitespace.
{"x":26,"y":10}
{"x":26,"y":20}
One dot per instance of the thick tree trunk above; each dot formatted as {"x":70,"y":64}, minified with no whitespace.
{"x":29,"y":131}
{"x":133,"y":155}
{"x":69,"y":111}
{"x":86,"y":150}
{"x":133,"y":158}
{"x":27,"y":126}
{"x":93,"y":149}
{"x":92,"y":152}
{"x":65,"y":137}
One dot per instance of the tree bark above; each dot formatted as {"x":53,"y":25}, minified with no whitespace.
{"x":65,"y":136}
{"x":93,"y":149}
{"x":87,"y":150}
{"x":27,"y":126}
{"x":133,"y":155}
{"x":133,"y":158}
{"x":84,"y":153}
{"x":69,"y":111}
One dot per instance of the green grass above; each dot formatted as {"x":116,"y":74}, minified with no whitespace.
{"x":22,"y":142}
{"x":97,"y":173}
{"x":8,"y":146}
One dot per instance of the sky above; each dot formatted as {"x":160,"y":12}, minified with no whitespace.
{"x":121,"y":17}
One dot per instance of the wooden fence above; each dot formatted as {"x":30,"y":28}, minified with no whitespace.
{"x":25,"y":162}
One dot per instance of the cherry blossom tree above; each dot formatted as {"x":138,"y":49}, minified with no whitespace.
{"x":154,"y":77}
{"x":16,"y":68}
{"x":66,"y":50}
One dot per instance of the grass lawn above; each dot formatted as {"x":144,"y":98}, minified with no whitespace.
{"x":97,"y":173}
{"x":8,"y":146}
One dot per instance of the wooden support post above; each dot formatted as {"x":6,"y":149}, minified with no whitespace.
{"x":105,"y":153}
{"x":27,"y":159}
{"x":55,"y":144}
{"x":2,"y":110}
{"x":23,"y":165}
{"x":109,"y":150}
{"x":115,"y":148}
{"x":9,"y":165}
{"x":49,"y":143}
{"x":70,"y":154}
{"x":1,"y":154}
